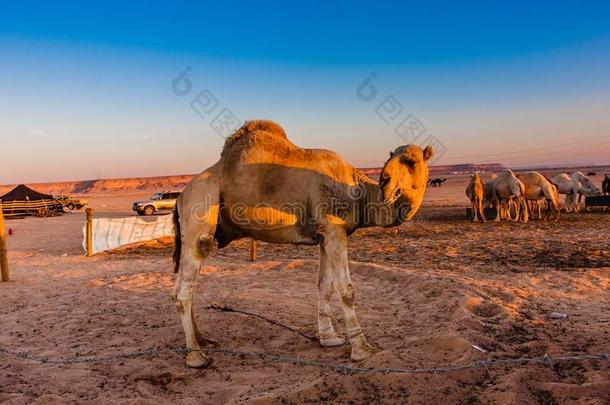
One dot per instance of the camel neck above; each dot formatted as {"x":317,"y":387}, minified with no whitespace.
{"x":372,"y":209}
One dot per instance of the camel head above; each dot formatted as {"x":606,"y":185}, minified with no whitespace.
{"x":403,"y":179}
{"x":586,"y":185}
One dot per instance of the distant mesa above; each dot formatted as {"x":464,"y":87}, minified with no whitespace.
{"x":111,"y":186}
{"x":166,"y":183}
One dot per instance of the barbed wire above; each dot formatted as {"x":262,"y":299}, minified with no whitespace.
{"x":341,"y":368}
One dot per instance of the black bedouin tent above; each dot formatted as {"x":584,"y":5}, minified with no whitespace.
{"x":22,"y":201}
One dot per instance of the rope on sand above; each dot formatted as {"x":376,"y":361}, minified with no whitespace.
{"x":226,"y":308}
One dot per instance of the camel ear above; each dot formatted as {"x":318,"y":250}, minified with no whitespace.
{"x":427,"y":153}
{"x":391,"y":153}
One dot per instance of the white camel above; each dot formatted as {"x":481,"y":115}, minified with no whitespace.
{"x":506,"y":188}
{"x":574,"y":187}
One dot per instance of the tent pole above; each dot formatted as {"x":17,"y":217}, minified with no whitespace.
{"x":3,"y":254}
{"x":89,"y":212}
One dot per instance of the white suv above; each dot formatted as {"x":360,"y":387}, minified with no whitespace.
{"x":165,"y":201}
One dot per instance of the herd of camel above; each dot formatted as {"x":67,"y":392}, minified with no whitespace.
{"x":524,"y":193}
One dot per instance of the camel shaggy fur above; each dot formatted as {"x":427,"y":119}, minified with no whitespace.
{"x":266,"y":188}
{"x":538,"y":187}
{"x":475,"y":192}
{"x":508,"y":188}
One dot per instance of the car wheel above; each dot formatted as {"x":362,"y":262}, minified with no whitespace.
{"x":149,"y":210}
{"x":71,"y":207}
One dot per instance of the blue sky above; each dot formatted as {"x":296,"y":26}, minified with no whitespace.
{"x":87,"y":89}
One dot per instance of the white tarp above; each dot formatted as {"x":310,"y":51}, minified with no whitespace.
{"x":110,"y":233}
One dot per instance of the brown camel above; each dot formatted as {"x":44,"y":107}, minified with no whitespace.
{"x":475,"y":192}
{"x":265,"y":187}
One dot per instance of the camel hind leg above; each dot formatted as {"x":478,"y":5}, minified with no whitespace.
{"x":197,"y":212}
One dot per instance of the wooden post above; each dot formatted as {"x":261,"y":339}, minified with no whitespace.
{"x":89,"y":212}
{"x":3,"y":255}
{"x":252,"y":250}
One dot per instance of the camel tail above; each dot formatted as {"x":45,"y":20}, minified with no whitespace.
{"x":177,"y":240}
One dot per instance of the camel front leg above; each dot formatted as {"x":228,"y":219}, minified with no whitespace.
{"x":335,"y":244}
{"x":475,"y":213}
{"x":326,"y":332}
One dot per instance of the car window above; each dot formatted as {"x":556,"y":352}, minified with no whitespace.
{"x":165,"y":196}
{"x":156,"y":196}
{"x":175,"y":195}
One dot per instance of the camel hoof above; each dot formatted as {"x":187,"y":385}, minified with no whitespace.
{"x":332,"y":342}
{"x":198,"y":360}
{"x":363,"y":352}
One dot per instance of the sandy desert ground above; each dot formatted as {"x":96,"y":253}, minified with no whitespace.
{"x":427,"y":292}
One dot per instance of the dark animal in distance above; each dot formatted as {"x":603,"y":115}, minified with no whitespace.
{"x":606,"y":185}
{"x":436,"y":182}
{"x":591,"y":174}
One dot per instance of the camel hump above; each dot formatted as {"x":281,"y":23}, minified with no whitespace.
{"x":252,"y":126}
{"x":547,"y":178}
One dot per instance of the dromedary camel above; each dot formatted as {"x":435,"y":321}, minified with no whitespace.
{"x":475,"y":192}
{"x":506,"y":188}
{"x":437,"y":182}
{"x":537,"y":187}
{"x":265,"y":187}
{"x":574,"y":187}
